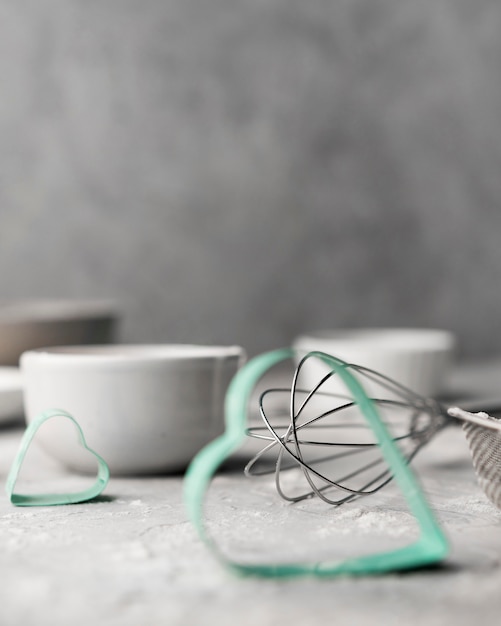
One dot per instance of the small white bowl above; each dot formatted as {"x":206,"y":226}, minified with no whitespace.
{"x":418,"y":358}
{"x":143,"y":408}
{"x":30,"y":324}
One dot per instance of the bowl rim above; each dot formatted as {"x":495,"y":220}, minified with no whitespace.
{"x":96,"y":354}
{"x":390,"y":339}
{"x":36,"y":310}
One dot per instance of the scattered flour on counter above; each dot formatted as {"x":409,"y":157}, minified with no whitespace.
{"x":472,"y":504}
{"x":379,"y":521}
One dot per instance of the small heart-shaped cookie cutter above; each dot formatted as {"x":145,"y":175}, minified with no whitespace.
{"x":50,"y":499}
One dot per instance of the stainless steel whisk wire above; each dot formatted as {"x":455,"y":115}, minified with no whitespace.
{"x":291,"y":443}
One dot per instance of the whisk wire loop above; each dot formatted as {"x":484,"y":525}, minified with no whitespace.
{"x":425,"y":419}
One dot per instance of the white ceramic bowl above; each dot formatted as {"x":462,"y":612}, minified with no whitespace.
{"x":143,"y":408}
{"x":29,"y":324}
{"x":418,"y":358}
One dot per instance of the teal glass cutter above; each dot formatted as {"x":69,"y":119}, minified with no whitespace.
{"x":50,"y":499}
{"x":431,"y":546}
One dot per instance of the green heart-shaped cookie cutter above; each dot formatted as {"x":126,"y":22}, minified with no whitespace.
{"x":49,"y":499}
{"x":431,"y":546}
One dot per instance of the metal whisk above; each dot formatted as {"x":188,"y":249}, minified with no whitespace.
{"x":334,"y":452}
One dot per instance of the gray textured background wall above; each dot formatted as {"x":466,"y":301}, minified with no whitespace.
{"x":241,"y":170}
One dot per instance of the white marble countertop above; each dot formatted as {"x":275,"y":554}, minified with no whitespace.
{"x":133,"y":558}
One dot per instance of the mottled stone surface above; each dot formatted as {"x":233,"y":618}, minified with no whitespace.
{"x":240,"y":170}
{"x":134,"y":558}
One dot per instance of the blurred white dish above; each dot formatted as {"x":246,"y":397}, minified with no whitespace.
{"x":11,"y":394}
{"x":143,"y":408}
{"x":30,"y":324}
{"x":418,"y":358}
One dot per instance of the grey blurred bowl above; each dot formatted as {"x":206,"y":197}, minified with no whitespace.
{"x":418,"y":358}
{"x":30,"y":324}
